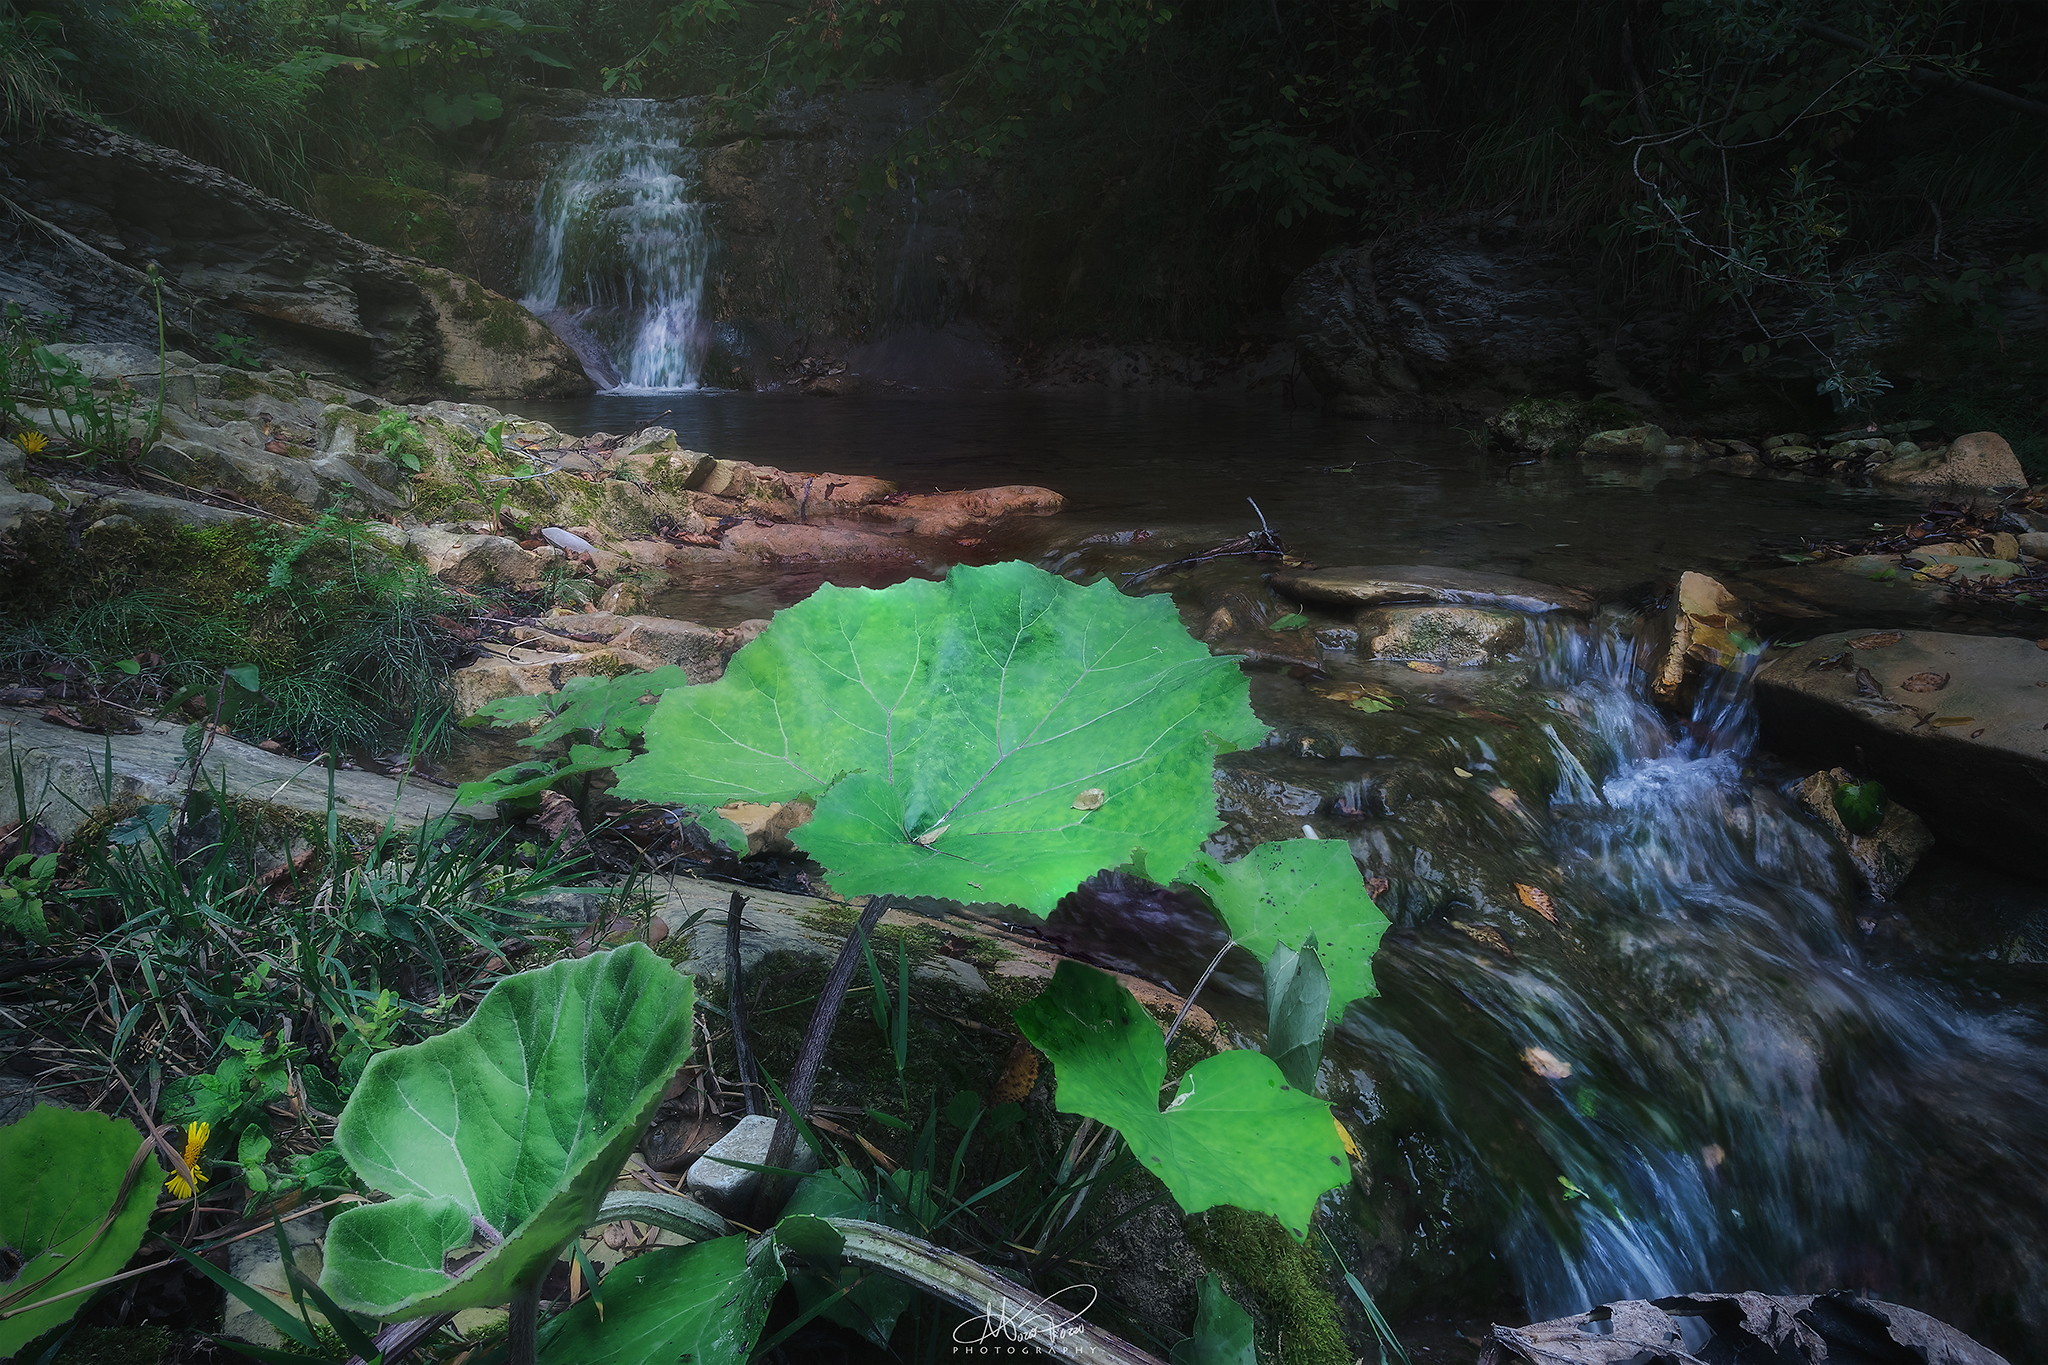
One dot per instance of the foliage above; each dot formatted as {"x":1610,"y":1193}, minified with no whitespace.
{"x":1235,"y":1132}
{"x":567,"y":1063}
{"x":238,"y":351}
{"x":1293,"y":892}
{"x":997,"y":737}
{"x":1861,"y":806}
{"x":611,"y":711}
{"x":701,"y":1303}
{"x":24,"y":887}
{"x":397,"y":438}
{"x":1223,"y":1331}
{"x":79,"y":1196}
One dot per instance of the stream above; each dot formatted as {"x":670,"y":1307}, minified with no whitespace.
{"x":1749,"y":1078}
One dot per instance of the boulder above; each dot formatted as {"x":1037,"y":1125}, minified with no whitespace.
{"x":470,"y":560}
{"x":1965,"y":745}
{"x":953,"y":514}
{"x":1390,"y":584}
{"x":1982,"y":459}
{"x":1450,"y":319}
{"x":236,"y":261}
{"x":1457,"y":636}
{"x":1887,"y":855}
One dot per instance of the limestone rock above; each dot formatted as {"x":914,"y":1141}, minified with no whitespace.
{"x":515,"y":671}
{"x":1389,"y":584}
{"x":768,"y":827}
{"x":730,"y":1189}
{"x":470,"y":560}
{"x":1705,"y":618}
{"x":1886,"y":856}
{"x":700,"y":651}
{"x":255,"y":1262}
{"x":1982,"y":459}
{"x":14,"y":505}
{"x":1459,"y":636}
{"x":1971,"y":759}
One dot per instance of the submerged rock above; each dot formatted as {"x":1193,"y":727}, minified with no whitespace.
{"x":1389,"y":584}
{"x":1971,"y":756}
{"x":1461,"y":636}
{"x":1794,"y":1329}
{"x":1886,"y":856}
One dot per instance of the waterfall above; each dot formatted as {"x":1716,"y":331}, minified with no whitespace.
{"x":621,"y":250}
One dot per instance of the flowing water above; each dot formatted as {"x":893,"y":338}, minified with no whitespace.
{"x":621,"y":250}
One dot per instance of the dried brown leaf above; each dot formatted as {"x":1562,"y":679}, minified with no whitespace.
{"x":1926,"y":682}
{"x":1420,"y":667}
{"x":1538,"y":901}
{"x":1020,"y":1074}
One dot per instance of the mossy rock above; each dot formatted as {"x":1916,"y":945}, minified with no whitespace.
{"x":396,"y":217}
{"x":1283,"y":1283}
{"x":1539,"y":426}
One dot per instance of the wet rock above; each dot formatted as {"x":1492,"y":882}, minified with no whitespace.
{"x":1796,"y":1329}
{"x":1971,"y":758}
{"x":1886,"y":856}
{"x":954,"y":514}
{"x":1861,"y":587}
{"x":1982,"y":459}
{"x":1460,"y":636}
{"x":1550,"y":426}
{"x":1706,"y":620}
{"x":1392,"y":584}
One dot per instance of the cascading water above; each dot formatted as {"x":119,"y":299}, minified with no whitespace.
{"x":1700,"y":1076}
{"x":621,"y":250}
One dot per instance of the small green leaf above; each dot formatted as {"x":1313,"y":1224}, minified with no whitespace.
{"x":873,"y":1308}
{"x":1235,"y":1133}
{"x":244,"y":677}
{"x":1224,"y":1333}
{"x":1293,"y":620}
{"x":1283,"y":892}
{"x":702,"y":1304}
{"x":1297,"y":996}
{"x":519,"y":1118}
{"x":1861,"y":806}
{"x":62,"y":1171}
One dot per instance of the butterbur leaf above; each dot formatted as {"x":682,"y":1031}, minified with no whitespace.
{"x":1285,"y":891}
{"x":702,"y":1304}
{"x":1223,"y":1331}
{"x":519,"y":1118}
{"x":945,"y":730}
{"x":537,"y":775}
{"x":64,"y":1172}
{"x":1235,"y":1133}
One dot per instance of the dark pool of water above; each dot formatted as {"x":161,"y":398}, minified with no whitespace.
{"x":1338,"y":491}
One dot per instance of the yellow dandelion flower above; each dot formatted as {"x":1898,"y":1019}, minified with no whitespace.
{"x":33,"y":442}
{"x":195,"y":1147}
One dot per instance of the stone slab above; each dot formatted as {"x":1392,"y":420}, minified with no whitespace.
{"x":68,"y":774}
{"x":1971,"y":759}
{"x":730,"y":1189}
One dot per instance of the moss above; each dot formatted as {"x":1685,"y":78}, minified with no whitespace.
{"x":506,"y":326}
{"x":1286,"y":1280}
{"x":240,"y":384}
{"x":394,"y":216}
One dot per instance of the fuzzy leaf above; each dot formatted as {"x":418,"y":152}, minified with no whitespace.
{"x":1236,"y":1131}
{"x":520,"y":1117}
{"x":62,"y":1171}
{"x":946,"y":730}
{"x":1283,"y":892}
{"x":702,"y":1304}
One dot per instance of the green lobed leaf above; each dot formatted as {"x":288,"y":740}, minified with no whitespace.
{"x":537,"y":775}
{"x":520,"y":1117}
{"x":1285,"y":891}
{"x":948,"y":730}
{"x":702,"y":1304}
{"x":1297,"y":1001}
{"x":62,"y":1171}
{"x":1224,"y":1333}
{"x":1235,"y":1133}
{"x":1861,"y":806}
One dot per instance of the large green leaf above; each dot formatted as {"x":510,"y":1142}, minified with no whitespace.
{"x":1000,"y":736}
{"x":702,"y":1304}
{"x":1236,"y":1131}
{"x":873,"y":1308}
{"x":62,"y":1171}
{"x":1284,"y":892}
{"x":520,"y":1118}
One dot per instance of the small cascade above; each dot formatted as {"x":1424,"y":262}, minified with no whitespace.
{"x":622,"y":248}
